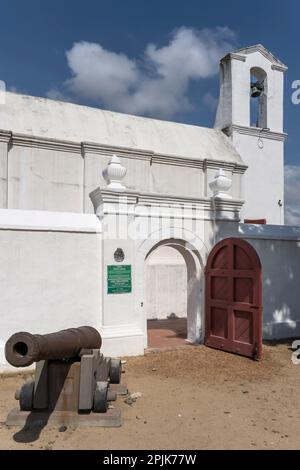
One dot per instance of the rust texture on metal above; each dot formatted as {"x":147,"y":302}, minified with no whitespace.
{"x":233,"y":287}
{"x":72,"y":378}
{"x":23,"y":349}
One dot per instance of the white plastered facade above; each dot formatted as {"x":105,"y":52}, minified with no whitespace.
{"x":61,"y":224}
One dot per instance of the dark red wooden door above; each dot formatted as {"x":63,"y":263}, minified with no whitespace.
{"x":234,"y":299}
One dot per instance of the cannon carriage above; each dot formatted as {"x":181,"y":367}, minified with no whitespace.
{"x":73,"y":381}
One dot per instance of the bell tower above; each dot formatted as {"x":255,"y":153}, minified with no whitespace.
{"x":250,"y":112}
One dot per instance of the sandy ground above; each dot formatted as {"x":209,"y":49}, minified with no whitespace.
{"x":192,"y":398}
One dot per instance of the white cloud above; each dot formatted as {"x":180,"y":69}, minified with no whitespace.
{"x":100,"y":74}
{"x":158,"y":84}
{"x":292,"y":195}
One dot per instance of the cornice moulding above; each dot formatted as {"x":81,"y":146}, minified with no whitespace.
{"x":108,"y":150}
{"x":233,"y":55}
{"x":279,"y":68}
{"x":257,"y":132}
{"x":85,"y":148}
{"x":136,"y":197}
{"x":45,"y":143}
{"x":239,"y":168}
{"x":135,"y":204}
{"x":245,"y":51}
{"x":5,"y":136}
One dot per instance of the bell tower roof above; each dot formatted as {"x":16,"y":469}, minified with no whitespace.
{"x":243,"y":52}
{"x":250,"y":112}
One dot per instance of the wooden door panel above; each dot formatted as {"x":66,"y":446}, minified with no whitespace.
{"x":243,"y":326}
{"x":218,"y":322}
{"x":234,"y":298}
{"x":219,"y":287}
{"x":241,"y":260}
{"x":243,"y":290}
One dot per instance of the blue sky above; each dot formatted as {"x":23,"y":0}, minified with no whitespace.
{"x":36,"y":35}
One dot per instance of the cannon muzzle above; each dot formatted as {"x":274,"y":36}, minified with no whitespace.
{"x":23,"y":349}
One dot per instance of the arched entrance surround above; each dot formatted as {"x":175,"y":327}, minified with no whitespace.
{"x":194,"y":255}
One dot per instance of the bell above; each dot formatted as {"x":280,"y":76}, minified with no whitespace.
{"x":256,"y":89}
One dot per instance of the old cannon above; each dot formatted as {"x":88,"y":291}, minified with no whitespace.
{"x":73,"y":381}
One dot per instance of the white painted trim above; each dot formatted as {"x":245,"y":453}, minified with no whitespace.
{"x":107,"y":202}
{"x":136,"y":197}
{"x":264,"y":51}
{"x":122,"y":340}
{"x":120,"y":331}
{"x":233,"y":55}
{"x":109,"y":150}
{"x":256,"y":132}
{"x":15,"y":219}
{"x":86,"y":148}
{"x":236,"y":168}
{"x":279,"y":68}
{"x":23,"y":140}
{"x":5,"y":136}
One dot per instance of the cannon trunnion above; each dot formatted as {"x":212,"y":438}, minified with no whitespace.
{"x":73,"y":382}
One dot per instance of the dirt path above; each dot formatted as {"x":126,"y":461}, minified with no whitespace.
{"x":192,"y":398}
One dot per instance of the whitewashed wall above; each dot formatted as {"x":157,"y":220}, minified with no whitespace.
{"x":51,"y":272}
{"x":263,"y":183}
{"x":45,"y":179}
{"x":3,"y":173}
{"x":279,"y":250}
{"x":166,"y":280}
{"x":52,"y":154}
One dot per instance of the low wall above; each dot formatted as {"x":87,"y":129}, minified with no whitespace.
{"x":51,"y":272}
{"x":279,"y":250}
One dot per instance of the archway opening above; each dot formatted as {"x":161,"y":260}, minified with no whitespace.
{"x":166,"y":298}
{"x":258,"y":98}
{"x":173,"y":296}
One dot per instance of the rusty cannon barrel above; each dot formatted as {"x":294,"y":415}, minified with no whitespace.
{"x":23,"y":349}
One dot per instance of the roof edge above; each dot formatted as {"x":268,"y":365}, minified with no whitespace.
{"x":263,"y":50}
{"x":104,"y":110}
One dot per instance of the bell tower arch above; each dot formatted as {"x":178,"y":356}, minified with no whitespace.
{"x":258,"y":98}
{"x":250,"y":112}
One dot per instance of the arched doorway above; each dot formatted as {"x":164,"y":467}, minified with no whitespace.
{"x":183,"y":325}
{"x":233,"y":293}
{"x":166,"y":276}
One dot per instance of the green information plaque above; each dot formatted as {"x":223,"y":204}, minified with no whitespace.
{"x":119,"y":279}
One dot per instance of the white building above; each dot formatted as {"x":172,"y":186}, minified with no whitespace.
{"x":88,"y":195}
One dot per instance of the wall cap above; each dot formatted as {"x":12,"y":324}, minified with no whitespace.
{"x":27,"y":220}
{"x":269,"y":232}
